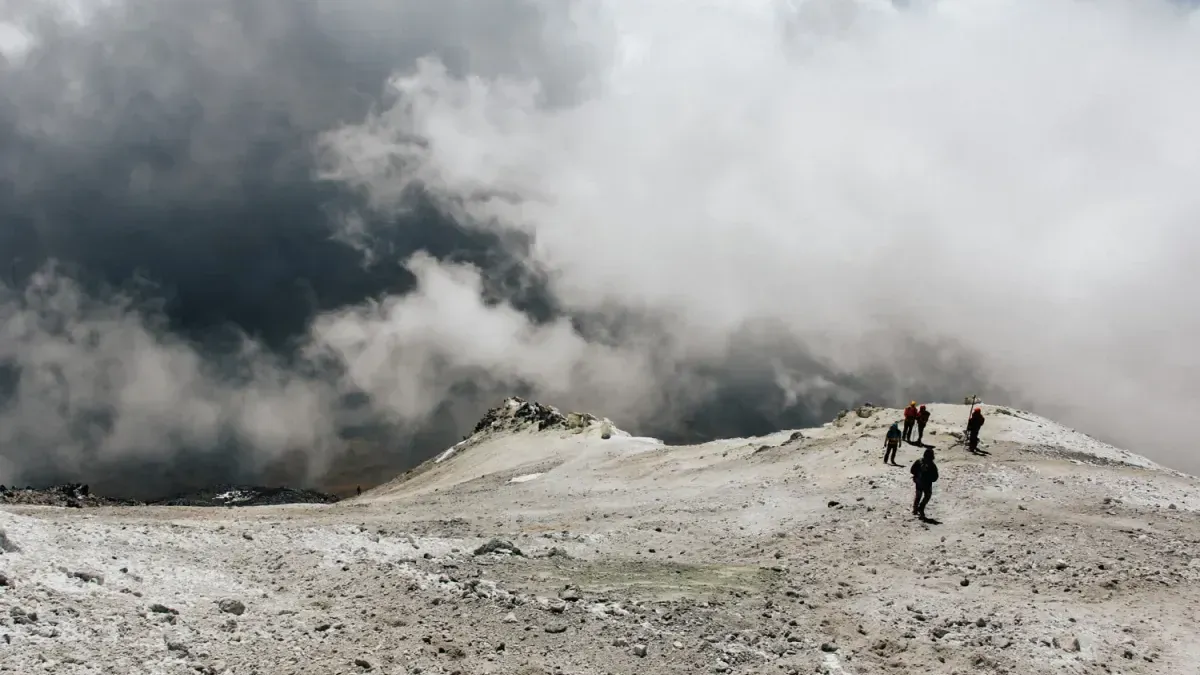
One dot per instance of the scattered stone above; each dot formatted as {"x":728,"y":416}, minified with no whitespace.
{"x":231,"y":606}
{"x":570,"y":594}
{"x":832,"y":504}
{"x":829,"y":647}
{"x":7,"y":545}
{"x":965,"y":582}
{"x":363,"y":663}
{"x":22,"y":617}
{"x":158,"y":608}
{"x":510,"y":618}
{"x":498,"y":546}
{"x":639,"y":650}
{"x":555,"y":628}
{"x":176,"y":645}
{"x":1068,"y":643}
{"x":87,"y":577}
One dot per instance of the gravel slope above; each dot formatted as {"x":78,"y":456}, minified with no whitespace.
{"x":789,"y":553}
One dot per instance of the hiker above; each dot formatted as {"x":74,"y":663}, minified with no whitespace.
{"x":973,"y":427}
{"x":910,"y":418}
{"x":925,"y":474}
{"x":891,"y":443}
{"x":922,"y":420}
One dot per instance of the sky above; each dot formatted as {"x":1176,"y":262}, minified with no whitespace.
{"x":238,"y":235}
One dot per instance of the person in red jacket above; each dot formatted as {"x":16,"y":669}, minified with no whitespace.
{"x":922,"y":420}
{"x":910,"y":419}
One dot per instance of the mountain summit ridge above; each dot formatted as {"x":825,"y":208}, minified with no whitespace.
{"x":542,"y":544}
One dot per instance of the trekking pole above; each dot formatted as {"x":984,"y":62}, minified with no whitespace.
{"x":971,"y":401}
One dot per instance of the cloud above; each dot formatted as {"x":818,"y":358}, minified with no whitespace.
{"x":242,"y":237}
{"x":1015,"y":179}
{"x":172,"y":142}
{"x":95,"y":384}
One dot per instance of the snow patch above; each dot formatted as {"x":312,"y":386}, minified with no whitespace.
{"x":643,"y":439}
{"x":526,"y":478}
{"x":447,"y":454}
{"x":233,"y":496}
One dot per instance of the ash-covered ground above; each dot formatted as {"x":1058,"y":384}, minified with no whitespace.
{"x":537,"y":547}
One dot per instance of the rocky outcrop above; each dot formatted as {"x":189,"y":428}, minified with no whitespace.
{"x":248,"y":496}
{"x":71,"y":495}
{"x":517,"y":414}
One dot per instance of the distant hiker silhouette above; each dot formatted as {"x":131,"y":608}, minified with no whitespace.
{"x":925,"y":474}
{"x":910,"y":418}
{"x":973,"y":427}
{"x":922,"y":420}
{"x":891,"y":443}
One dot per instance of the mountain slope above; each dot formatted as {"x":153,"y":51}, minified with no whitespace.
{"x":793,"y":552}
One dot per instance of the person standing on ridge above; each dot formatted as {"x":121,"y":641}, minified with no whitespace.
{"x":891,"y":443}
{"x":922,"y":420}
{"x":925,"y":474}
{"x":910,"y":418}
{"x":973,"y":427}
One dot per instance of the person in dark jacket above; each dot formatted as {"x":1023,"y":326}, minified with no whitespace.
{"x":973,"y":427}
{"x":910,"y":419}
{"x":925,"y":474}
{"x":891,"y":443}
{"x":922,"y":420}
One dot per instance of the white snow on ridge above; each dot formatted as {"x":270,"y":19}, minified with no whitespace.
{"x":447,"y":454}
{"x":526,"y":478}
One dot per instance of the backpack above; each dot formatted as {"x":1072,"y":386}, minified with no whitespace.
{"x":924,"y":474}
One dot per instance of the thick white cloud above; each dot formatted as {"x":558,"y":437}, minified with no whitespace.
{"x":96,"y":381}
{"x":1015,"y":176}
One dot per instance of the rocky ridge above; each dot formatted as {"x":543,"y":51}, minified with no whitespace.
{"x":516,"y":414}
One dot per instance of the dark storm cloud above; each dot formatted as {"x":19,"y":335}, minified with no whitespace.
{"x":160,"y":154}
{"x":264,"y":243}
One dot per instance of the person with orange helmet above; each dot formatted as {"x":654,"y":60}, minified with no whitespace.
{"x":910,"y":419}
{"x":973,"y":427}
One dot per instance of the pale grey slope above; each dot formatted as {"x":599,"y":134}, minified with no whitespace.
{"x":793,"y":552}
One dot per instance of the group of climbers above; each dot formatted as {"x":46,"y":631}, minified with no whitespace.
{"x":918,"y":417}
{"x":924,"y":471}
